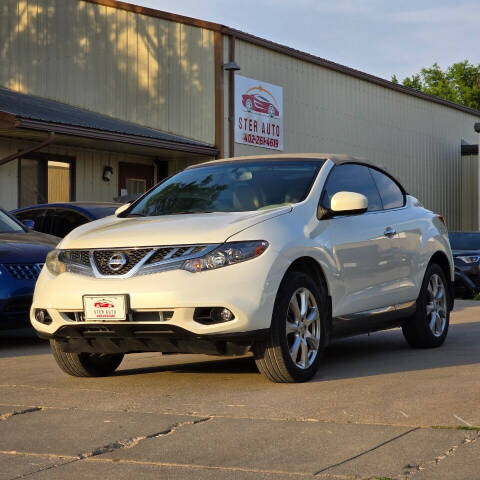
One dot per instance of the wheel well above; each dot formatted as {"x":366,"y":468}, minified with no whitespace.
{"x":442,"y":261}
{"x":311,"y":267}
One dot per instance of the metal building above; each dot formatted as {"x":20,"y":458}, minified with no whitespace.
{"x":90,"y":84}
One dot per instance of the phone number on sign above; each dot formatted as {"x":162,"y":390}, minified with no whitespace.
{"x":260,"y":140}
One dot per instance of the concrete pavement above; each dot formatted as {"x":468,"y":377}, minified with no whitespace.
{"x":376,"y":409}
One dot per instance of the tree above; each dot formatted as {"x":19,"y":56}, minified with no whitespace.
{"x":459,"y":83}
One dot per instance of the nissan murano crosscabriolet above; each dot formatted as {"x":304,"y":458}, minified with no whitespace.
{"x":273,"y":256}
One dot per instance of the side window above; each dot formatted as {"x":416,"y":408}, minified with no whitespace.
{"x":62,"y":222}
{"x":351,"y":177}
{"x":392,"y":196}
{"x":35,"y":215}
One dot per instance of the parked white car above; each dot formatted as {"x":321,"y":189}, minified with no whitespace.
{"x":274,"y":255}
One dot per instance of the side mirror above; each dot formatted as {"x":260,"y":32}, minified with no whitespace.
{"x":121,"y":209}
{"x":30,"y":224}
{"x":348,"y":203}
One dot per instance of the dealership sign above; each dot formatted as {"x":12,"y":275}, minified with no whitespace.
{"x":258,"y":113}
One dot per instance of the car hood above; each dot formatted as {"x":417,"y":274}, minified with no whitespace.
{"x":25,"y":247}
{"x":194,"y":228}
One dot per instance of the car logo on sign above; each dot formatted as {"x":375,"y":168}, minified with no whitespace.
{"x":117,"y":261}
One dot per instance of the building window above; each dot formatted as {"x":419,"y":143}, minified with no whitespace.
{"x":45,"y":178}
{"x":136,"y":185}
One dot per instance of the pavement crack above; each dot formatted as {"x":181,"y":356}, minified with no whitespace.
{"x":111,"y":447}
{"x":8,"y":415}
{"x":451,"y":451}
{"x":134,"y":441}
{"x":366,"y":451}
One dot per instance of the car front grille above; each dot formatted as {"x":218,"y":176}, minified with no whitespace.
{"x":154,"y":316}
{"x":24,"y":271}
{"x":136,"y":261}
{"x":168,"y":253}
{"x":132,"y":257}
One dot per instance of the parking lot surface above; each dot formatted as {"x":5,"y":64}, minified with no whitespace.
{"x":376,"y":409}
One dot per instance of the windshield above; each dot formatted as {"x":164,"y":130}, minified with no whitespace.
{"x":464,"y":241}
{"x":231,"y":187}
{"x":8,"y":225}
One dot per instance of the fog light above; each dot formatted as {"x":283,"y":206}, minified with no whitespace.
{"x":42,"y":316}
{"x":226,"y":315}
{"x":212,"y":315}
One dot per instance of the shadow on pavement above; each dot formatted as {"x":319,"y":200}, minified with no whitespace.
{"x":15,"y":343}
{"x":377,"y":354}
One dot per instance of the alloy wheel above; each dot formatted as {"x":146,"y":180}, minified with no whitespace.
{"x":303,"y":328}
{"x":436,"y":305}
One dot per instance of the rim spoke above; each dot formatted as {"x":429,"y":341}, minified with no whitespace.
{"x":304,"y":353}
{"x":430,"y":307}
{"x":295,"y":347}
{"x":295,"y":308}
{"x":433,"y":321}
{"x":311,"y":316}
{"x":438,"y":324}
{"x":312,"y":341}
{"x":303,"y":303}
{"x":440,"y":292}
{"x":291,"y":327}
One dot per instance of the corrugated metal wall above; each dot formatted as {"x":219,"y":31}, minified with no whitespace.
{"x":89,"y":168}
{"x":134,"y":67}
{"x":326,"y":111}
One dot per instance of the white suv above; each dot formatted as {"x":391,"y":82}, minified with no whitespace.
{"x":273,"y":255}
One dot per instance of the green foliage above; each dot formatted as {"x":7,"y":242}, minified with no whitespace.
{"x":459,"y":83}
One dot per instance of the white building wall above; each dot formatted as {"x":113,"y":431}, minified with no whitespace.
{"x":327,"y":111}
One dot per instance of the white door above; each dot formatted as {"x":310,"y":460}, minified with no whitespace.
{"x":363,"y":247}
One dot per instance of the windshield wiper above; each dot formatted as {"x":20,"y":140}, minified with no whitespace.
{"x":135,"y":215}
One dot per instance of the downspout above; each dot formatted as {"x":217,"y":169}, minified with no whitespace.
{"x":50,"y":139}
{"x":231,"y":100}
{"x":476,"y":127}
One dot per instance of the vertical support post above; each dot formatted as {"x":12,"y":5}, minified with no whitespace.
{"x":219,"y":108}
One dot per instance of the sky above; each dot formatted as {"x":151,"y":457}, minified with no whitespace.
{"x":380,"y":37}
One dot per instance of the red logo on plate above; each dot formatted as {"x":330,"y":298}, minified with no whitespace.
{"x":103,"y":304}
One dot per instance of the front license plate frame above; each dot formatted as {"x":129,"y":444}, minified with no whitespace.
{"x":106,"y":308}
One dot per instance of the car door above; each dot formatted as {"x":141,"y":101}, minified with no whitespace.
{"x":360,"y":245}
{"x":407,"y":242}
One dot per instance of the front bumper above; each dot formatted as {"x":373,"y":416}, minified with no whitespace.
{"x":15,"y":301}
{"x":467,"y":279}
{"x":129,"y":338}
{"x":248,"y":289}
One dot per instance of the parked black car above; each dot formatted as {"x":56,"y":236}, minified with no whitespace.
{"x":466,"y":255}
{"x":22,"y":255}
{"x":59,"y":219}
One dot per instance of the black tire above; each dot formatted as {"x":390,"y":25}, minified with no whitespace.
{"x":416,"y":329}
{"x":273,"y":357}
{"x":85,"y":364}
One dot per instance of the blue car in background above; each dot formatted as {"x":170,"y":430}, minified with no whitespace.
{"x":22,"y":255}
{"x":59,"y":219}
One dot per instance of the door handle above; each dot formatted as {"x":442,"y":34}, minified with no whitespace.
{"x":389,"y":232}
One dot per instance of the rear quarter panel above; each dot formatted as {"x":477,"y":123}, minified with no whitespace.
{"x":421,"y":235}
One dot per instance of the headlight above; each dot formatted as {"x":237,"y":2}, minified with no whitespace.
{"x":227,"y":254}
{"x":472,"y":259}
{"x":54,"y":264}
